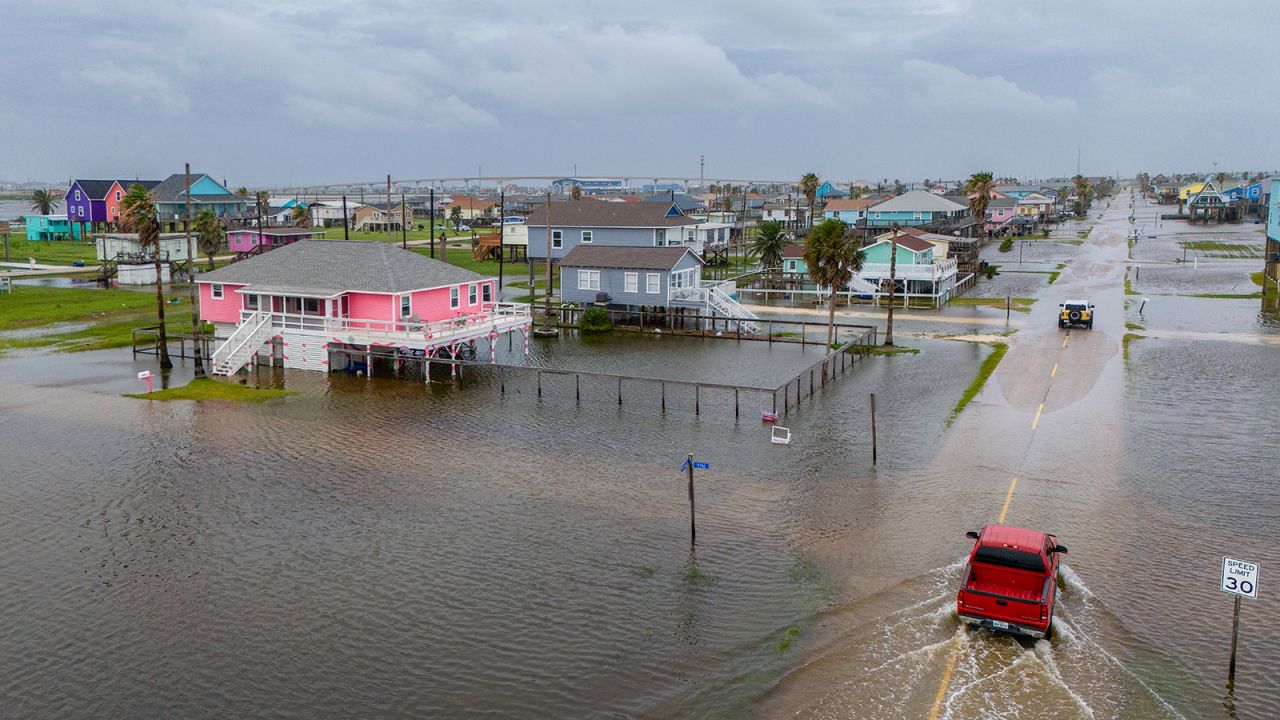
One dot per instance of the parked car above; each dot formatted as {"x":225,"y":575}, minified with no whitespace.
{"x":462,"y":228}
{"x":1010,"y":583}
{"x":1075,"y":312}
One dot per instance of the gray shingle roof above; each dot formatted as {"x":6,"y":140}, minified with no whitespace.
{"x":594,"y":213}
{"x":334,"y":266}
{"x":639,"y":258}
{"x":96,"y":189}
{"x":919,"y":200}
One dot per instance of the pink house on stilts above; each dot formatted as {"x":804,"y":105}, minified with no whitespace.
{"x":331,"y":304}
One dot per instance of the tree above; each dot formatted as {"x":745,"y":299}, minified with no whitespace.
{"x":138,"y":212}
{"x":575,"y":192}
{"x":856,"y":192}
{"x":455,"y":215}
{"x":43,"y":202}
{"x":978,"y":187}
{"x":809,"y":185}
{"x":242,"y":191}
{"x":1083,"y":194}
{"x":768,"y":243}
{"x":210,"y":234}
{"x":832,"y":256}
{"x":300,"y":217}
{"x":898,"y":187}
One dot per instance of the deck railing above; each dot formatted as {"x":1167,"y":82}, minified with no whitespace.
{"x":498,"y":315}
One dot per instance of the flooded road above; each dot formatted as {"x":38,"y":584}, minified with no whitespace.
{"x":374,"y":547}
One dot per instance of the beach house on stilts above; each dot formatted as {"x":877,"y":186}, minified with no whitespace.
{"x":335,"y":305}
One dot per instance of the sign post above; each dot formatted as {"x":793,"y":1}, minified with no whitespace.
{"x":689,"y":465}
{"x":146,"y":375}
{"x":1239,"y":578}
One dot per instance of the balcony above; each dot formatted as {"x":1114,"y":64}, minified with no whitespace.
{"x":501,"y":317}
{"x":937,"y":271}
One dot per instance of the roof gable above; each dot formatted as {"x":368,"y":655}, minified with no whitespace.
{"x":590,"y":213}
{"x":626,"y":258}
{"x":910,"y":242}
{"x":919,"y":201}
{"x":336,"y":266}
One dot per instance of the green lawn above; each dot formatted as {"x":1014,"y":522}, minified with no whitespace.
{"x":111,"y":316}
{"x":208,"y":389}
{"x":1218,"y":248}
{"x":1019,"y":304}
{"x":984,"y":371}
{"x":52,"y":252}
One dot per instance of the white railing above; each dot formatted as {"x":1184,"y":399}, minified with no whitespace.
{"x":242,"y":345}
{"x":500,"y":316}
{"x":937,"y":270}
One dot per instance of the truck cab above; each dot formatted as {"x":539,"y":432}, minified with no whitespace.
{"x":1010,"y":583}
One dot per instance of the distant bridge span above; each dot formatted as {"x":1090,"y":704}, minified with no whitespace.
{"x":381,"y":184}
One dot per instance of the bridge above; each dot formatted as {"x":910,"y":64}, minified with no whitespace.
{"x":440,"y":182}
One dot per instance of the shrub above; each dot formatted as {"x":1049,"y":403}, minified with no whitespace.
{"x":1006,"y":245}
{"x":595,"y":319}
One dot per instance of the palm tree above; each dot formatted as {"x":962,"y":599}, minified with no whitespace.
{"x":832,"y":256}
{"x":43,"y":202}
{"x":1082,"y":193}
{"x":138,"y":212}
{"x":978,"y":187}
{"x":809,"y":185}
{"x":242,"y":191}
{"x":768,"y":243}
{"x":299,"y":216}
{"x":576,"y":192}
{"x":210,"y":234}
{"x":455,"y":215}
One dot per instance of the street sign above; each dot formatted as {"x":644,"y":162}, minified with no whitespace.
{"x":1239,"y":577}
{"x":702,"y":465}
{"x":685,"y":466}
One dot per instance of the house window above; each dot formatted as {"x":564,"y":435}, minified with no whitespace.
{"x":77,"y":196}
{"x":916,"y":216}
{"x":118,"y":196}
{"x":689,"y":236}
{"x":652,"y":283}
{"x":471,"y":294}
{"x":453,"y":297}
{"x":251,"y":302}
{"x":631,"y":282}
{"x":877,"y":216}
{"x":586,"y":236}
{"x":310,"y":305}
{"x":405,"y":306}
{"x":80,"y":211}
{"x":216,"y":291}
{"x":557,"y":239}
{"x":486,"y":292}
{"x":588,"y":279}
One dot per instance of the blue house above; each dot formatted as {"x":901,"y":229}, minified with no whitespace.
{"x":827,"y":191}
{"x":631,"y":277}
{"x":611,"y":224}
{"x":52,"y":227}
{"x":170,"y":197}
{"x":1272,"y":268}
{"x":914,"y":209}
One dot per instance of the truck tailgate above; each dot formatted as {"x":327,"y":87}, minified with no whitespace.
{"x":1004,"y":594}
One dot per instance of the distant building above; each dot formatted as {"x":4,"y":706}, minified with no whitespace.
{"x":595,"y":186}
{"x":587,"y":222}
{"x":849,"y":212}
{"x":96,"y":203}
{"x":170,"y":197}
{"x":628,"y":277}
{"x":1272,"y":270}
{"x":245,"y":241}
{"x":52,"y":227}
{"x":915,"y":208}
{"x":827,"y":191}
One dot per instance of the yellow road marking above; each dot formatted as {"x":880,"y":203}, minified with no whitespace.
{"x":1054,"y":371}
{"x":1065,"y":338}
{"x":1036,"y":421}
{"x":946,"y":679}
{"x":1007,"y":498}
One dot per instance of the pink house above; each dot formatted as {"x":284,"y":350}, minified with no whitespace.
{"x":1000,"y":210}
{"x":318,"y":298}
{"x":248,"y":240}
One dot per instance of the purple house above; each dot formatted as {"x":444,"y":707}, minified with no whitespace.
{"x":96,"y":203}
{"x":247,"y":241}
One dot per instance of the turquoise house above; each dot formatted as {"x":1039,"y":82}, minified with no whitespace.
{"x":911,"y":251}
{"x":52,"y":227}
{"x":914,"y":209}
{"x":170,"y":197}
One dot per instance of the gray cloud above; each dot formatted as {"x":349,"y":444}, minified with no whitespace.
{"x":293,"y":92}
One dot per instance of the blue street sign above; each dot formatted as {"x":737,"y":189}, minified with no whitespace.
{"x":685,"y":466}
{"x":701,"y":465}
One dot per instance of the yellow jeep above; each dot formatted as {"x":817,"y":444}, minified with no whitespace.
{"x":1075,"y":312}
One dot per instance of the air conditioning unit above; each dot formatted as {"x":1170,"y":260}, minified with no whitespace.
{"x":602,"y":298}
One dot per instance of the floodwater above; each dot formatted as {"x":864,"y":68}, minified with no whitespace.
{"x":381,"y":547}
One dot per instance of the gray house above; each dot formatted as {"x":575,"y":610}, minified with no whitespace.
{"x":607,"y":224}
{"x":632,"y":276}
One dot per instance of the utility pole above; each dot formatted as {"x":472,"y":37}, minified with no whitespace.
{"x":345,"y":221}
{"x":390,"y":238}
{"x":431,"y":221}
{"x":191,"y":280}
{"x":502,"y":235}
{"x":404,"y":230}
{"x":893,"y":271}
{"x":693,"y":524}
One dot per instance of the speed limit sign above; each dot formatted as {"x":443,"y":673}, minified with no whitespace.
{"x":1239,"y":577}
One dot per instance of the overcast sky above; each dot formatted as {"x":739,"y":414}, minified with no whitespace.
{"x":299,"y":92}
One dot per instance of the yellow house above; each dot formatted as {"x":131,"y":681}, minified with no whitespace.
{"x":1186,"y":191}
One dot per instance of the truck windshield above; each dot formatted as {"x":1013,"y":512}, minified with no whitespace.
{"x":1010,"y":558}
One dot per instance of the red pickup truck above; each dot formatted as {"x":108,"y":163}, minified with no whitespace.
{"x":1011,"y":581}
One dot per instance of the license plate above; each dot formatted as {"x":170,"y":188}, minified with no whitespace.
{"x":999,"y":624}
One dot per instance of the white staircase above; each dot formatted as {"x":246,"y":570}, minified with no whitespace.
{"x":243,"y":344}
{"x":861,"y":286}
{"x":720,"y":301}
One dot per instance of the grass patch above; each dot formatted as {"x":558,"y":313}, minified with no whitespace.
{"x":51,"y":252}
{"x":31,"y":306}
{"x":1219,"y":248}
{"x":1133,"y":326}
{"x":1084,"y":234}
{"x":1128,"y":286}
{"x":788,"y":637}
{"x":1053,"y":276}
{"x":1126,"y":341}
{"x":1259,"y":278}
{"x":215,"y":390}
{"x":1228,"y":296}
{"x":882,"y":350}
{"x":1020,"y":304}
{"x":984,"y":371}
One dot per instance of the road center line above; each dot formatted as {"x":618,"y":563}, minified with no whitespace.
{"x":1036,"y":421}
{"x":1054,"y":372}
{"x":1007,"y":499}
{"x":946,"y":677}
{"x":1065,"y":338}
